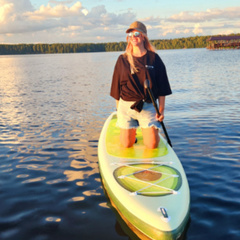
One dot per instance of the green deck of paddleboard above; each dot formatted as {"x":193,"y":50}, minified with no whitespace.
{"x":138,"y":151}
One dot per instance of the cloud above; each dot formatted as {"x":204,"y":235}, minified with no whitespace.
{"x":189,"y":23}
{"x":73,"y":21}
{"x":85,"y":12}
{"x":208,"y":15}
{"x":61,"y":2}
{"x":11,"y":11}
{"x":58,"y":11}
{"x":18,"y":5}
{"x":5,"y":11}
{"x":197,"y":30}
{"x":70,"y":21}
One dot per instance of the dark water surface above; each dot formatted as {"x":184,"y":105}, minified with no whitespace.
{"x":52,"y":108}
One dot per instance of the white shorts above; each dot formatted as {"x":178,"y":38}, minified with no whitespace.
{"x":129,"y":118}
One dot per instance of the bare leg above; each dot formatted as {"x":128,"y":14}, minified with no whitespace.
{"x":127,"y":137}
{"x":150,"y":137}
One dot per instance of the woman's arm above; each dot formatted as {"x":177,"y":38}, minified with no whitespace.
{"x":161,"y":102}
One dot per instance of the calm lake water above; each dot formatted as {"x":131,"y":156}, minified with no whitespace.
{"x":52,"y":108}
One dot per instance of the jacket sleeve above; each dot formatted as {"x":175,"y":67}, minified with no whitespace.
{"x":163,"y":85}
{"x":115,"y":87}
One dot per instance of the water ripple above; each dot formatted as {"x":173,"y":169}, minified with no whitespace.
{"x":50,"y":187}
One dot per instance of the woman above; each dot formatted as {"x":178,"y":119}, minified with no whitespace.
{"x":134,"y":107}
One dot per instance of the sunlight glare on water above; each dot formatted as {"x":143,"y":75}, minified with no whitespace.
{"x":52,"y":109}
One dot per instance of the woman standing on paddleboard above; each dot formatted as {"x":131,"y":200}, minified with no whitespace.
{"x":134,"y":107}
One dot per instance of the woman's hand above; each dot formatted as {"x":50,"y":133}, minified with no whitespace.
{"x":161,"y":102}
{"x":161,"y":117}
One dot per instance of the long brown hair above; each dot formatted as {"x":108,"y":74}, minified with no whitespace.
{"x":129,"y":51}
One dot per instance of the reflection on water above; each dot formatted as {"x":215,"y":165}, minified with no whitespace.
{"x":52,"y":108}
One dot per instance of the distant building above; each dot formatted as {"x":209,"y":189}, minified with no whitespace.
{"x":223,"y":42}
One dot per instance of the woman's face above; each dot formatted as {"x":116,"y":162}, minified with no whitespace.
{"x":136,"y":38}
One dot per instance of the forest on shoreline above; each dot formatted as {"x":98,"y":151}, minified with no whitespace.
{"x":43,"y":48}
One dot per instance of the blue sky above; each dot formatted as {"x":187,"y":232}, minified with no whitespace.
{"x":70,"y":21}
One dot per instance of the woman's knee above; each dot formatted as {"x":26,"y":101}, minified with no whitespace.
{"x":151,"y":138}
{"x":127,"y":137}
{"x":127,"y":143}
{"x":152,"y":144}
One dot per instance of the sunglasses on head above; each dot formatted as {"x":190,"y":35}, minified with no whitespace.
{"x":135,"y":34}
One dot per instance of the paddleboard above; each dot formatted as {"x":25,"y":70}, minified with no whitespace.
{"x":147,"y":187}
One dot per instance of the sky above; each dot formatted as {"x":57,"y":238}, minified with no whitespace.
{"x":96,"y":21}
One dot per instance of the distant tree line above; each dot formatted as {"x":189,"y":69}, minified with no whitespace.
{"x":178,"y":43}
